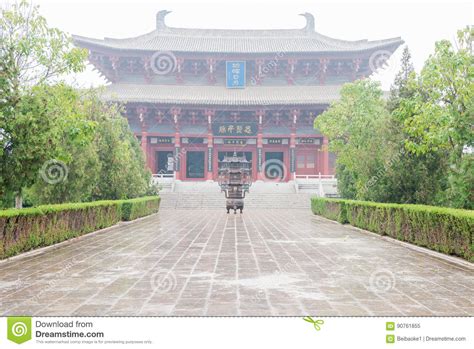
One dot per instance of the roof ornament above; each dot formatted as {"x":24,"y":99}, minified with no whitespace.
{"x":309,"y":21}
{"x":160,"y":19}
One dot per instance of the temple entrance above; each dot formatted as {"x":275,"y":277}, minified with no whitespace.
{"x":307,"y":162}
{"x":195,"y":164}
{"x":248,"y":156}
{"x":274,"y":165}
{"x":164,"y":162}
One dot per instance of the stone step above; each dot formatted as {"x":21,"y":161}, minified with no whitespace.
{"x":193,"y":200}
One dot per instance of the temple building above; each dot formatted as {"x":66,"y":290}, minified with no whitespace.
{"x":193,"y":96}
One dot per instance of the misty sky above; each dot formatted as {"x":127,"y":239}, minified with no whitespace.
{"x":419,"y":24}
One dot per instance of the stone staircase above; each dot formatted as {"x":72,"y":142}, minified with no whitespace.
{"x":278,"y":200}
{"x":196,"y":187}
{"x":198,"y":198}
{"x":329,"y":187}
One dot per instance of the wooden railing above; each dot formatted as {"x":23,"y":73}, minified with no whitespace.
{"x":315,"y":176}
{"x":300,"y":179}
{"x":165,"y":178}
{"x":164,"y":175}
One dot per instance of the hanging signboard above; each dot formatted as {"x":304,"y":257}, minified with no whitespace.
{"x":309,"y":141}
{"x":274,"y":140}
{"x":234,"y":129}
{"x":235,"y":74}
{"x":209,"y":159}
{"x":292,"y":160}
{"x":235,"y":141}
{"x":192,"y":140}
{"x":162,"y":140}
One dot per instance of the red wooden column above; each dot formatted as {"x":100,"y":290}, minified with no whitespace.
{"x":210,"y":144}
{"x":295,"y":114}
{"x":179,"y":70}
{"x":260,"y":115}
{"x":258,"y":73}
{"x":323,"y":68}
{"x":141,"y":111}
{"x":178,"y":152}
{"x":355,"y":67}
{"x":211,"y":66}
{"x":115,"y":60}
{"x":325,"y":158}
{"x":290,"y":75}
{"x":144,"y":145}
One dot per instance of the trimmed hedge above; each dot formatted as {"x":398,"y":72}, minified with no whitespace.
{"x":140,"y":207}
{"x":441,"y":229}
{"x":329,"y":208}
{"x":25,"y":229}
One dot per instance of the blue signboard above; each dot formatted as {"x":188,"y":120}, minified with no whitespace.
{"x":235,"y":74}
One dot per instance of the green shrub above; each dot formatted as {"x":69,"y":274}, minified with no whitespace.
{"x":25,"y":229}
{"x":333,"y":209}
{"x":140,"y":207}
{"x":441,"y":229}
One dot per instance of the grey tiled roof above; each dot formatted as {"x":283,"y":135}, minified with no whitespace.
{"x":162,"y":128}
{"x":194,"y":129}
{"x":221,"y":96}
{"x":307,"y":130}
{"x":277,"y":130}
{"x":165,"y":38}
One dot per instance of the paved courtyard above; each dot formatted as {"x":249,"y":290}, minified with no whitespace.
{"x":205,"y":262}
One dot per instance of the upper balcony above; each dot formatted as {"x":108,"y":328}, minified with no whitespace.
{"x":169,"y":56}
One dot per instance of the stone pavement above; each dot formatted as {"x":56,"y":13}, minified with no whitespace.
{"x":205,"y":262}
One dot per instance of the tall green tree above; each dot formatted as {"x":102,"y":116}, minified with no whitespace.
{"x":399,"y":88}
{"x":123,"y":170}
{"x":441,"y":109}
{"x":31,"y":55}
{"x":439,"y":115}
{"x":108,"y":163}
{"x":355,"y":126}
{"x":74,"y":172}
{"x":416,"y":148}
{"x":411,"y":178}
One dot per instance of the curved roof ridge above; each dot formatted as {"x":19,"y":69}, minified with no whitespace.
{"x":305,"y":39}
{"x":232,"y":34}
{"x":141,"y":36}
